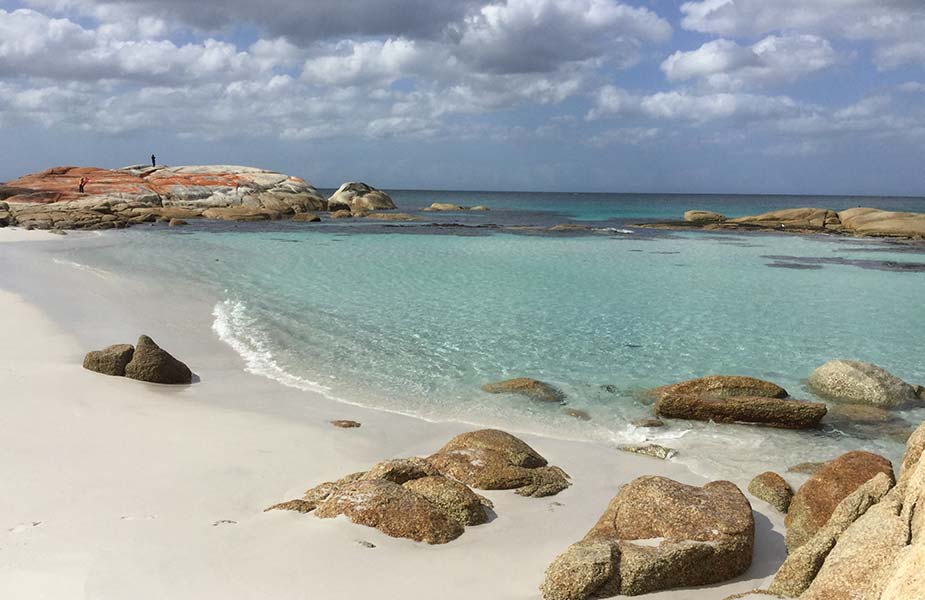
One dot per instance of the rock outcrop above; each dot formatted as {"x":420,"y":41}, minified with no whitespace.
{"x":703,"y":216}
{"x":490,"y":459}
{"x":858,"y":382}
{"x":428,"y":499}
{"x":121,"y":197}
{"x":444,"y":207}
{"x":858,"y":222}
{"x":772,"y":488}
{"x":355,"y":196}
{"x":393,"y":509}
{"x":735,"y":399}
{"x":657,"y":534}
{"x":816,"y":500}
{"x":153,"y":364}
{"x":792,"y":218}
{"x":879,"y":555}
{"x":109,"y":361}
{"x":524,"y":386}
{"x":803,"y":564}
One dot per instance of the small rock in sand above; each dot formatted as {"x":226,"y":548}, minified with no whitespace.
{"x":653,"y":450}
{"x":346,"y":424}
{"x":772,"y":488}
{"x":109,"y":361}
{"x":153,"y":364}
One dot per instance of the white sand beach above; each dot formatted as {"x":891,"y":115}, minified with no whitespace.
{"x":117,"y":489}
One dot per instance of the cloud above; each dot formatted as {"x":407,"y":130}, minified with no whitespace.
{"x":32,"y":44}
{"x":774,"y":60}
{"x":897,"y":27}
{"x":300,"y":21}
{"x":538,"y":36}
{"x":692,"y":107}
{"x":630,"y":136}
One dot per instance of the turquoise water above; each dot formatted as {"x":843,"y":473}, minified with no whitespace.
{"x":417,"y":323}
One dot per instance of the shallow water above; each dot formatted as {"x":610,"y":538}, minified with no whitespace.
{"x":417,"y":323}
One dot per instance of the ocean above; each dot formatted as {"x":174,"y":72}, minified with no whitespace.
{"x":416,"y":317}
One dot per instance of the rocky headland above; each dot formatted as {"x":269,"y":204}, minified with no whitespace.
{"x":856,"y":222}
{"x":118,"y":198}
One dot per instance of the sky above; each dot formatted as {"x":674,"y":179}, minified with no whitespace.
{"x":702,"y":96}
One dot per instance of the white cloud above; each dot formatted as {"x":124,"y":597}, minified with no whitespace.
{"x":911,"y":87}
{"x":897,"y":27}
{"x":687,"y":106}
{"x":630,"y":136}
{"x":538,"y":36}
{"x":724,"y":64}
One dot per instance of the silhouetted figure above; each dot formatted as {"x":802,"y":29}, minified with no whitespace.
{"x":80,"y":185}
{"x":153,"y":161}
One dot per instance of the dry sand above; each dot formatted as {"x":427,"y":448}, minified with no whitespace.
{"x":115,"y":489}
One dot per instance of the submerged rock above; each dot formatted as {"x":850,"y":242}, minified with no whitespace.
{"x":346,"y":424}
{"x":491,"y":459}
{"x":306,"y":217}
{"x":392,"y":217}
{"x":861,"y":383}
{"x":721,"y":386}
{"x":735,"y":399}
{"x":524,"y":386}
{"x":816,"y":499}
{"x":772,"y":488}
{"x":581,"y":415}
{"x":648,"y":423}
{"x":356,"y":196}
{"x":750,"y":410}
{"x":153,"y":364}
{"x":109,"y":361}
{"x":658,"y":534}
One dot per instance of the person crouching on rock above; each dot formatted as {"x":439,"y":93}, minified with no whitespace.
{"x":83,"y":182}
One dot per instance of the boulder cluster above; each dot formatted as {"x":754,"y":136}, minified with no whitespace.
{"x":657,"y":534}
{"x":859,"y":222}
{"x":120,"y":198}
{"x":855,"y":532}
{"x":429,"y":499}
{"x":146,"y":361}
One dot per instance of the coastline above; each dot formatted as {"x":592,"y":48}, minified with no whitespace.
{"x":130,"y":478}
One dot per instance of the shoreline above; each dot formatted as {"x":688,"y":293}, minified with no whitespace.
{"x":136,"y":475}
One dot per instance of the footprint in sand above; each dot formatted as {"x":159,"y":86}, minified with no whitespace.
{"x":24,"y":527}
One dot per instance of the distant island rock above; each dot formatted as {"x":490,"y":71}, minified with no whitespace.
{"x":355,"y":196}
{"x":858,"y":222}
{"x":118,"y":198}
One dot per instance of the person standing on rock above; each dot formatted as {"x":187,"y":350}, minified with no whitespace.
{"x":153,"y":161}
{"x":80,"y":185}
